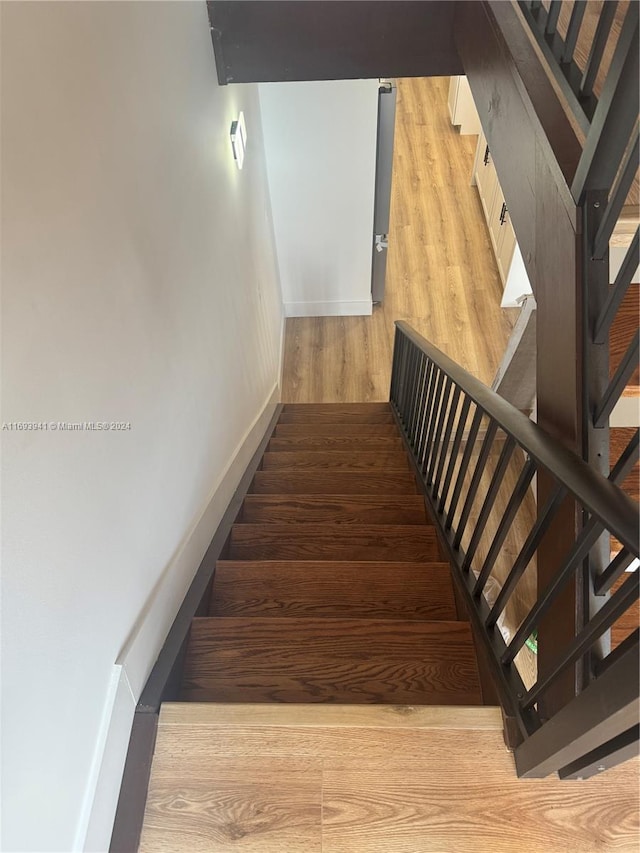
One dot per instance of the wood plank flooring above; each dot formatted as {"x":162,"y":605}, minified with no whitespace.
{"x":441,"y":272}
{"x":335,"y":779}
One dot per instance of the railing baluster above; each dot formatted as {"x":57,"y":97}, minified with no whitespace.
{"x":617,"y":567}
{"x":476,"y":479}
{"x":627,"y":460}
{"x":518,"y":495}
{"x":552,"y":17}
{"x":464,"y":465}
{"x":527,"y":551}
{"x":402,"y":363}
{"x":422,"y":400}
{"x":618,"y":290}
{"x":455,"y":448}
{"x":406,"y":383}
{"x":453,"y":409}
{"x":414,"y":360}
{"x":393,"y":390}
{"x":617,"y":200}
{"x":431,"y":460}
{"x":615,"y":115}
{"x":607,"y":14}
{"x":437,"y":397}
{"x":487,"y":506}
{"x":430,"y":386}
{"x":573,"y":30}
{"x":619,"y":382}
{"x":603,"y":619}
{"x":618,"y":653}
{"x":586,"y":540}
{"x":413,"y":424}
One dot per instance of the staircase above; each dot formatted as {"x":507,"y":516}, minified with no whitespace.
{"x":333,"y":588}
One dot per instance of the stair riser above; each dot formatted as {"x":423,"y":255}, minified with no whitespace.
{"x":337,"y":460}
{"x":285,"y":430}
{"x":312,"y":660}
{"x":351,"y":590}
{"x":333,"y":483}
{"x":335,"y":418}
{"x":340,"y":408}
{"x":394,"y":509}
{"x":360,"y":548}
{"x":351,"y":443}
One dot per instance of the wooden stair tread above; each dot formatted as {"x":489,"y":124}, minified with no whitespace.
{"x":329,"y":429}
{"x":619,"y":438}
{"x":347,"y":460}
{"x":366,"y":590}
{"x":334,"y":442}
{"x":334,"y":716}
{"x":630,"y":619}
{"x":333,"y":408}
{"x":344,"y":509}
{"x":622,"y":331}
{"x":297,"y":417}
{"x":334,"y":482}
{"x":331,"y":660}
{"x":333,"y":542}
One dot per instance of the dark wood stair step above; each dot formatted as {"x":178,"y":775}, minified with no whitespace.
{"x":619,"y":438}
{"x":333,"y":408}
{"x":335,"y":442}
{"x":336,"y":418}
{"x":623,"y":329}
{"x":328,"y":482}
{"x":358,"y":661}
{"x":284,"y":430}
{"x":362,"y":590}
{"x":356,"y":460}
{"x":413,"y":543}
{"x":630,"y":619}
{"x":343,"y":509}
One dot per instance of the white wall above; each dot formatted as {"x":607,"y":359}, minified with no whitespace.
{"x":139,"y":285}
{"x":320,"y":140}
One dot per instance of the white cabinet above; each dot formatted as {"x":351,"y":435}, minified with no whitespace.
{"x":486,"y":177}
{"x":503,"y":238}
{"x":462,"y":108}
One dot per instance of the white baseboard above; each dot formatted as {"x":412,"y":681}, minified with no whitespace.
{"x":357,"y":308}
{"x":145,"y":640}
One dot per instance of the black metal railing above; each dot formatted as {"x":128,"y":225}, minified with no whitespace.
{"x":592,"y":50}
{"x":463,"y":439}
{"x":605,"y":173}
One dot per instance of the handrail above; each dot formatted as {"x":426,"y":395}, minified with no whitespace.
{"x":617,"y":512}
{"x":438,"y":404}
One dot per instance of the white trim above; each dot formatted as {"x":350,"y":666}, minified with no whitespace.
{"x":140,"y":651}
{"x":101,"y":794}
{"x":358,"y":308}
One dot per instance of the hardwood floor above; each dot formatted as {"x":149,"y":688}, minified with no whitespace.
{"x":294,"y":779}
{"x":441,"y":273}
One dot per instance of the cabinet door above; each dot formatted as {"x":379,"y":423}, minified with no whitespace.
{"x":486,"y":177}
{"x":506,"y":244}
{"x":496,"y":218}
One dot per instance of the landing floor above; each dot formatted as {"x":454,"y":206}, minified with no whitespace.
{"x":336,"y":779}
{"x":441,"y":273}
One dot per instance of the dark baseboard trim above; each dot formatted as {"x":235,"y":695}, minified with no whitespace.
{"x":163,"y":684}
